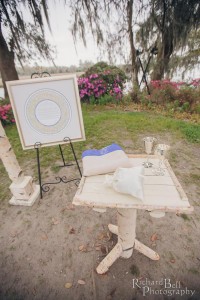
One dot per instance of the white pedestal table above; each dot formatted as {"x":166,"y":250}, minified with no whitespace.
{"x":161,"y":194}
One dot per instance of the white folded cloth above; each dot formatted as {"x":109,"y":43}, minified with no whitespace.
{"x":106,"y":160}
{"x":127,"y":181}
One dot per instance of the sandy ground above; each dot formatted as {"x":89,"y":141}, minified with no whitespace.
{"x":46,"y":248}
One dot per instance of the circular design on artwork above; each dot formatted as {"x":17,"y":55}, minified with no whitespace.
{"x":54,"y":113}
{"x":47,"y":111}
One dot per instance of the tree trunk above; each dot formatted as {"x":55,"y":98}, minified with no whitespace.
{"x":7,"y":63}
{"x":164,"y":53}
{"x":131,"y":41}
{"x":161,"y":65}
{"x":158,"y":72}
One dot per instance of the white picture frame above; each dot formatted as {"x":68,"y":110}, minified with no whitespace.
{"x":47,"y":110}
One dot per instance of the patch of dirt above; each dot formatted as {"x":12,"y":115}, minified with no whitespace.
{"x":51,"y":250}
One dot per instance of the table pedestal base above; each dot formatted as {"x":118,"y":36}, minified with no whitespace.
{"x":126,"y":240}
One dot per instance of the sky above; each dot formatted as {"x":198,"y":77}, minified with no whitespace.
{"x":67,"y":53}
{"x":61,"y":37}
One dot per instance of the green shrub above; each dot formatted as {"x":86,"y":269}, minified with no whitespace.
{"x":196,"y":108}
{"x":127,"y":99}
{"x":186,"y":106}
{"x":108,"y":73}
{"x":107,"y":99}
{"x":188,"y":95}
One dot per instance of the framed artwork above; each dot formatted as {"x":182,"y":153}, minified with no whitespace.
{"x":47,"y":110}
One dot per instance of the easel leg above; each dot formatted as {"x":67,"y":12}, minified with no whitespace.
{"x":75,"y":157}
{"x":63,"y":159}
{"x":39,"y":172}
{"x":67,"y":139}
{"x":61,"y":153}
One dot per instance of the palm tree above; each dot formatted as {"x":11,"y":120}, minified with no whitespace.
{"x":21,"y":39}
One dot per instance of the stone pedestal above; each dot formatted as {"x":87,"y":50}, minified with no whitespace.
{"x":24,"y":191}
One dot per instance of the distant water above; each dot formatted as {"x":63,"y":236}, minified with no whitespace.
{"x":1,"y":92}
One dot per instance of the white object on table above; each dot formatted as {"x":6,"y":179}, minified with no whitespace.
{"x":161,"y":193}
{"x":127,"y":181}
{"x":148,"y":144}
{"x":161,"y":151}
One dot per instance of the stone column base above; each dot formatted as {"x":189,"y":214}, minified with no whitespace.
{"x":25,"y":192}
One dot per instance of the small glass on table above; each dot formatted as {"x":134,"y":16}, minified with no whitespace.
{"x":161,"y":151}
{"x":148,"y":145}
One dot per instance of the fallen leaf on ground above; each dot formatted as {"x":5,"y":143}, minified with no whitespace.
{"x":68,"y":285}
{"x":54,"y":221}
{"x":34,"y":292}
{"x":80,"y":281}
{"x":154,"y":237}
{"x":44,"y":237}
{"x":100,"y":236}
{"x":82,"y":248}
{"x":72,"y":230}
{"x":89,"y":229}
{"x":68,"y":207}
{"x":185,"y":229}
{"x":98,"y":248}
{"x":14,"y":234}
{"x":97,"y":244}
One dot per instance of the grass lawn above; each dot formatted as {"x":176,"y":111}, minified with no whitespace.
{"x":104,"y":126}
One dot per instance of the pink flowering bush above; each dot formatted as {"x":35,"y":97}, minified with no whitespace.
{"x":195,"y":83}
{"x":95,"y":87}
{"x":161,"y":84}
{"x":166,"y":83}
{"x":180,"y":96}
{"x":6,"y":114}
{"x":104,"y":85}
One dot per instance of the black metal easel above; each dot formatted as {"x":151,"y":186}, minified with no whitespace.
{"x":44,"y":187}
